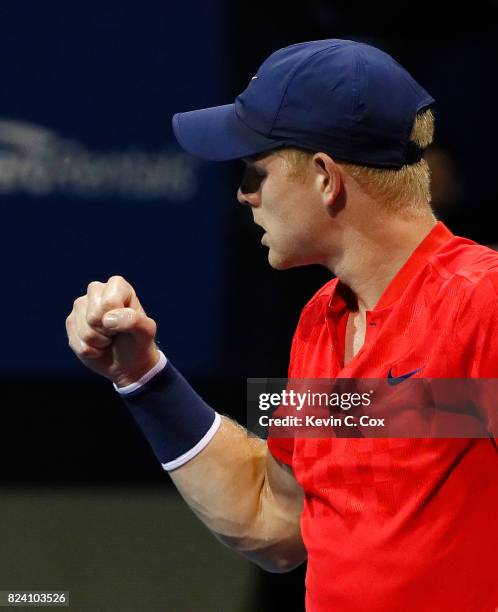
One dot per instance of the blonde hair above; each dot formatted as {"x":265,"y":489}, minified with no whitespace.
{"x":406,"y":189}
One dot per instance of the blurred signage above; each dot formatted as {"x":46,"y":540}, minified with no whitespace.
{"x":92,"y":182}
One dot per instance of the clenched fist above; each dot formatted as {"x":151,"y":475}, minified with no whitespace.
{"x":110,"y":332}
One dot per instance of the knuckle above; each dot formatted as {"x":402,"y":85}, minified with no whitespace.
{"x":94,"y":285}
{"x":94,"y":339}
{"x":88,"y":337}
{"x":119,"y":283}
{"x":86,"y":351}
{"x":116,"y":278}
{"x":109,"y":303}
{"x":93,"y":318}
{"x":79,"y":301}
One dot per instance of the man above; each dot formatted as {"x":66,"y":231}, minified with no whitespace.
{"x":332,"y":134}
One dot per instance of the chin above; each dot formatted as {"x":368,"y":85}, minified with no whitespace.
{"x":280,"y":263}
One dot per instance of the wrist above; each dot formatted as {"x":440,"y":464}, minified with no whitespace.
{"x":176,"y":421}
{"x":142,"y":374}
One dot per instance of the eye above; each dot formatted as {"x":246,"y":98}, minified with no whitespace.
{"x":252,"y":179}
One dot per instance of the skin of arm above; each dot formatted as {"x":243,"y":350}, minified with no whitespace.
{"x":251,"y":502}
{"x":246,"y":498}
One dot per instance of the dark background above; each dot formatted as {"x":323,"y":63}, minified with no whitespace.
{"x":223,"y":313}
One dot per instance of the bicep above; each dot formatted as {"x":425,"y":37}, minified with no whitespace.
{"x":281,"y":505}
{"x":283,"y":486}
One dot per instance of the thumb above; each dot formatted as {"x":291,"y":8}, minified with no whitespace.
{"x":129,"y":320}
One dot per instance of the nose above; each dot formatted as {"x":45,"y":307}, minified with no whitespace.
{"x":251,"y":198}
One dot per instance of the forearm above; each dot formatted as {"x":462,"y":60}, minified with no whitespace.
{"x":226,"y":476}
{"x":227,"y":486}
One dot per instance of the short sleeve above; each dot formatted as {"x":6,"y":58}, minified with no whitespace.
{"x":483,"y":308}
{"x":283,"y":448}
{"x":300,"y":366}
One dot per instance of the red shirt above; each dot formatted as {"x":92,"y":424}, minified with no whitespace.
{"x":403,"y":524}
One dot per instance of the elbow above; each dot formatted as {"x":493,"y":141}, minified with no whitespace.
{"x":279,"y":559}
{"x":280,"y":565}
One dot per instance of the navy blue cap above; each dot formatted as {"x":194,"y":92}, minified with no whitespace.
{"x":344,"y":98}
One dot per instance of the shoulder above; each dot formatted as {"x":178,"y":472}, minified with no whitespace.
{"x":466,"y":261}
{"x":475,"y":319}
{"x":469,"y":272}
{"x":466,"y":271}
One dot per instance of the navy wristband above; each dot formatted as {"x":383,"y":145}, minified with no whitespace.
{"x":176,"y":421}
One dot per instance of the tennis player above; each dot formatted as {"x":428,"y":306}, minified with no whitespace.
{"x":332,"y":134}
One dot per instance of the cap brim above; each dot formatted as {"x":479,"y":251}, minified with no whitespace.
{"x":217,"y":134}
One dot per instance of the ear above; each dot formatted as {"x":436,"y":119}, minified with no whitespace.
{"x":329,"y":178}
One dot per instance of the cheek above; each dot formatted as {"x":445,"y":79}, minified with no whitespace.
{"x":297,"y":221}
{"x":280,"y":209}
{"x":286,"y":213}
{"x":290,"y":233}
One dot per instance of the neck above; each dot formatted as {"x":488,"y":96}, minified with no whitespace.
{"x":373,"y":253}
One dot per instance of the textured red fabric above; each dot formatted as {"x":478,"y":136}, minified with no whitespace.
{"x":403,"y":524}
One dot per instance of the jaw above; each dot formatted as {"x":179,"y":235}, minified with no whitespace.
{"x":279,"y":261}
